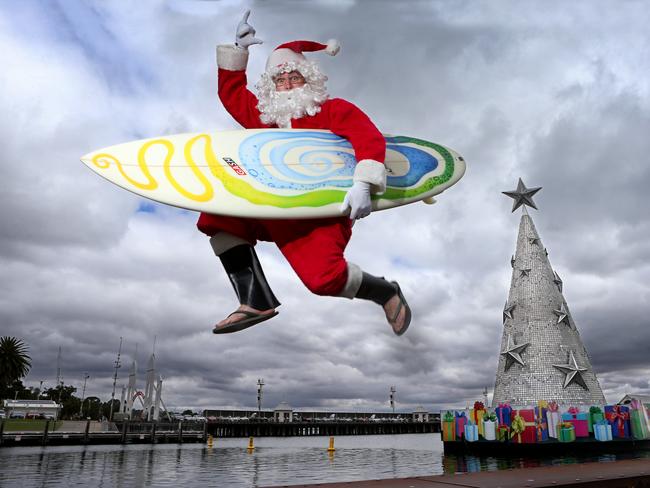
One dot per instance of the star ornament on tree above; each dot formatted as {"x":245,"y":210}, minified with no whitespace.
{"x":513,"y":351}
{"x":522,"y":195}
{"x":507,"y":311}
{"x":562,"y":314}
{"x":557,"y":280}
{"x":573,"y":372}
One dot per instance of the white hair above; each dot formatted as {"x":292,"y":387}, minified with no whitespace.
{"x":279,"y":107}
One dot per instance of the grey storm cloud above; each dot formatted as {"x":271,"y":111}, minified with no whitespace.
{"x":551,"y":92}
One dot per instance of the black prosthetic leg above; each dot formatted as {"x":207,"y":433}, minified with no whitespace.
{"x":380,"y":291}
{"x":248,"y":280}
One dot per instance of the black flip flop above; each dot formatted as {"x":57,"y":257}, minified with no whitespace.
{"x":407,"y":317}
{"x":251,"y":319}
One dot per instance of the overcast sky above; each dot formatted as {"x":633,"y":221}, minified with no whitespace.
{"x":554,"y":92}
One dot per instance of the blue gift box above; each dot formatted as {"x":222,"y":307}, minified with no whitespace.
{"x":471,"y":432}
{"x":603,"y":432}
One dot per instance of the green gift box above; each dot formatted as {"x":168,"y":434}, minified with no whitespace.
{"x":638,"y":424}
{"x":503,"y":433}
{"x":566,"y":431}
{"x":595,"y":416}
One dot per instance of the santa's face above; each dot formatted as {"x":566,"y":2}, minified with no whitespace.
{"x":291,"y":93}
{"x":288,"y":81}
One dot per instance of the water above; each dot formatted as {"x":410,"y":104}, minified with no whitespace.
{"x":275,"y":461}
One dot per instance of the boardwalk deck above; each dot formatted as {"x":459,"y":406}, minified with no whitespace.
{"x":620,"y":474}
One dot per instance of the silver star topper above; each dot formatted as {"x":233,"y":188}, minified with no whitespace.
{"x":522,"y":195}
{"x":573,"y":372}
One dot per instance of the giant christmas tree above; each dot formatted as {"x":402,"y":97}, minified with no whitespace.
{"x":542,"y":356}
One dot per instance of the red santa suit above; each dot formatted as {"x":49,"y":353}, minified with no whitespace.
{"x":314,"y":248}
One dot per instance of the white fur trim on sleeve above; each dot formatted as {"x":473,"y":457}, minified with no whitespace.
{"x":373,"y":172}
{"x":231,"y":57}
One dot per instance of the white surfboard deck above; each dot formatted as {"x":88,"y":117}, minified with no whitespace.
{"x":270,"y":173}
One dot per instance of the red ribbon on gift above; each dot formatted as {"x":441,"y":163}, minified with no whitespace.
{"x":618,"y":416}
{"x":573,"y":411}
{"x":478,"y":406}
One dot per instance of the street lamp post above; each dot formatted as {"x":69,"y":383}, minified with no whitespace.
{"x":83,"y":396}
{"x":117,"y":366}
{"x":260,"y":384}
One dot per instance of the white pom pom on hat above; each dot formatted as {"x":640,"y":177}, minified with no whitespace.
{"x":293,"y":52}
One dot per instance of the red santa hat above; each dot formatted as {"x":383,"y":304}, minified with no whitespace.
{"x":293,"y":52}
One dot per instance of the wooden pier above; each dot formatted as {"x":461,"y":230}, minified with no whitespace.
{"x":121,"y":433}
{"x":288,"y":429}
{"x":132,"y":432}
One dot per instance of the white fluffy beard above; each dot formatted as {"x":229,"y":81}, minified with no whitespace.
{"x":279,"y":107}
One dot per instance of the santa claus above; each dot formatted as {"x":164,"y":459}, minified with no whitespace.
{"x":292,"y":94}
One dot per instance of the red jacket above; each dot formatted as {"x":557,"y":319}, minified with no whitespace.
{"x":340,"y":116}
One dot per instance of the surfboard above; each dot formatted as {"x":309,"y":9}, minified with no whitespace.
{"x":271,"y":173}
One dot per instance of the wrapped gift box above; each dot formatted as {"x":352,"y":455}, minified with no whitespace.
{"x":603,"y":431}
{"x":541,"y":424}
{"x":461,"y":422}
{"x":595,"y":416}
{"x":476,"y":415}
{"x":618,"y":417}
{"x":489,"y":430}
{"x":639,"y":420}
{"x":504,"y":414}
{"x":552,"y":419}
{"x":524,"y":428}
{"x":448,"y":427}
{"x":566,"y":432}
{"x":579,"y":420}
{"x":471,"y":433}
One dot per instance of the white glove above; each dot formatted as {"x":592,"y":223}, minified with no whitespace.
{"x":245,"y":35}
{"x":357,"y":200}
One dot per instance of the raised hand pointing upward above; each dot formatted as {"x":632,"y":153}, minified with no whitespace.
{"x":245,"y":35}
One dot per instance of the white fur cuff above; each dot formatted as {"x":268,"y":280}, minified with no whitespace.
{"x":373,"y":172}
{"x":231,"y":57}
{"x":355,"y":276}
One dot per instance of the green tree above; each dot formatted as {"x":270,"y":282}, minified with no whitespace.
{"x":14,"y":361}
{"x":15,"y":390}
{"x":106,"y":407}
{"x":64,"y":395}
{"x":92,"y":407}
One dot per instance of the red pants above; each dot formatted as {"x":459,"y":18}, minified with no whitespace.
{"x":314,"y":248}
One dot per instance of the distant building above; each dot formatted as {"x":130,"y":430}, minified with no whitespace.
{"x":420,"y":415}
{"x":283,"y":413}
{"x":32,"y":408}
{"x":645,"y":399}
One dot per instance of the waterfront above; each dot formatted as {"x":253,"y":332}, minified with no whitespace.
{"x":275,"y":461}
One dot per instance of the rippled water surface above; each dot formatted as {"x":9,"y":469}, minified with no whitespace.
{"x":275,"y":461}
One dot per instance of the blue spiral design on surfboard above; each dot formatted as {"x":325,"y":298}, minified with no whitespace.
{"x":320,"y":166}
